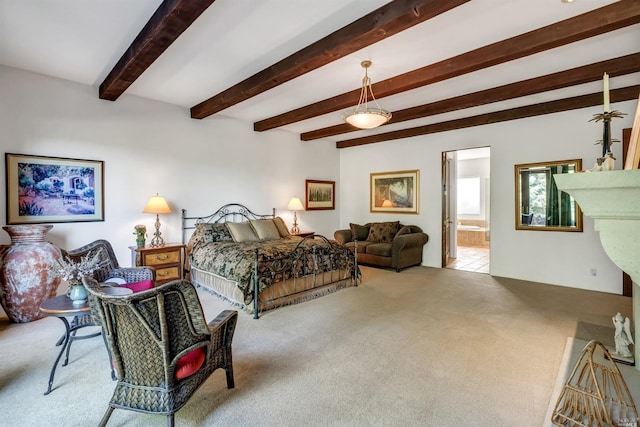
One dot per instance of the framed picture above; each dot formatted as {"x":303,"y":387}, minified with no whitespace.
{"x":53,"y":189}
{"x":395,"y":192}
{"x":319,"y":195}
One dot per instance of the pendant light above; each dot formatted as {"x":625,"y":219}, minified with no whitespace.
{"x":362,"y":116}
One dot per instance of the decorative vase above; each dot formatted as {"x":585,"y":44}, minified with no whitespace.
{"x":77,"y":293}
{"x":25,"y":279}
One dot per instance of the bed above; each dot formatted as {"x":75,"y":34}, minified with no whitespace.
{"x":253,"y":262}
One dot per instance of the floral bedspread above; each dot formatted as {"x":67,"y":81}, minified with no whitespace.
{"x":277,"y":260}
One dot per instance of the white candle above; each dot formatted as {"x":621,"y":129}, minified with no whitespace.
{"x":605,"y":78}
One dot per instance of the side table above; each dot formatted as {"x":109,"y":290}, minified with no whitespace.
{"x":62,"y":307}
{"x":168,"y":260}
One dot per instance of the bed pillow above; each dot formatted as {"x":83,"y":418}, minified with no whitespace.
{"x":359,"y":232}
{"x":242,"y":232}
{"x":265,"y":229}
{"x":219,"y":233}
{"x":281,"y":226}
{"x":383,"y":232}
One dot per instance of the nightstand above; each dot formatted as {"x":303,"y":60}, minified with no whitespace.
{"x":305,"y":233}
{"x":168,"y":260}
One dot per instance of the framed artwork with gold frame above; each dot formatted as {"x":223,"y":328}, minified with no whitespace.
{"x":395,"y":192}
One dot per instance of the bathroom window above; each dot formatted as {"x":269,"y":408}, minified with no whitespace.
{"x":468,"y":196}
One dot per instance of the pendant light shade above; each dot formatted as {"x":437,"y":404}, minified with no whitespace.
{"x":363,"y":116}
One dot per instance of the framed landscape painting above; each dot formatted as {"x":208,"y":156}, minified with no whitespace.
{"x":53,"y":189}
{"x":319,"y":195}
{"x":395,"y":192}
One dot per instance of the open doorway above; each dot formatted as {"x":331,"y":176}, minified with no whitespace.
{"x":466,"y":210}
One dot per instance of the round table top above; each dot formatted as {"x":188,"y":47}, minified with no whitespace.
{"x":62,"y":305}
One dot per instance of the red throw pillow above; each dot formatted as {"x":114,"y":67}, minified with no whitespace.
{"x":139,"y":286}
{"x":190,"y":363}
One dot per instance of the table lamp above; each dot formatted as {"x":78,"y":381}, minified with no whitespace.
{"x":295,"y":205}
{"x":157,"y":205}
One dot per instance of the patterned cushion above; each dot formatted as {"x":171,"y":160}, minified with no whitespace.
{"x":219,"y":233}
{"x":242,"y":232}
{"x":207,"y":233}
{"x":383,"y":232}
{"x":359,"y":232}
{"x":265,"y":229}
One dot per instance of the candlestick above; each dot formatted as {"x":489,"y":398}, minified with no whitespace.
{"x":605,"y":79}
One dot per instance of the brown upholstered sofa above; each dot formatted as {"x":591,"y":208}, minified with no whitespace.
{"x":385,"y":244}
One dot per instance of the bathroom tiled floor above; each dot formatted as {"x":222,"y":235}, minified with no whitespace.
{"x":471,"y":259}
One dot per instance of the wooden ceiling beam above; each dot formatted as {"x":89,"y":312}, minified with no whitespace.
{"x":573,"y":103}
{"x":614,"y":67}
{"x":599,"y":21}
{"x":383,"y":22}
{"x":170,"y":20}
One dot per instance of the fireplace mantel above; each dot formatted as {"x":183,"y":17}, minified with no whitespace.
{"x":612,"y":199}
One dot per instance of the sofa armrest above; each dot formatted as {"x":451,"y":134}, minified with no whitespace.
{"x":343,"y":236}
{"x":406,"y":250}
{"x":411,"y":240}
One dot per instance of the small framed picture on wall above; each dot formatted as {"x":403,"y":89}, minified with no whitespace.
{"x":319,"y":195}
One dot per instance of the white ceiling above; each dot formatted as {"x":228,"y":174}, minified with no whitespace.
{"x":81,"y":40}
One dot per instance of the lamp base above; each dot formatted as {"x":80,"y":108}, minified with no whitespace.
{"x":157,"y":240}
{"x":295,"y":229}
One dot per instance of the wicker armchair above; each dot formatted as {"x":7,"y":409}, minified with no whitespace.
{"x":152,"y":336}
{"x":109,"y":267}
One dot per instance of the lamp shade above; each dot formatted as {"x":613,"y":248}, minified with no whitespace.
{"x":367,"y":119}
{"x":157,"y":205}
{"x":295,"y":205}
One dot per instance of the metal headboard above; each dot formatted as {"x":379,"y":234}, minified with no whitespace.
{"x":231,"y":212}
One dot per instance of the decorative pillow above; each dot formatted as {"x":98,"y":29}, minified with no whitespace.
{"x":359,"y":232}
{"x":265,"y":229}
{"x":189,"y":364}
{"x":139,"y":286}
{"x":383,"y":232}
{"x":219,"y":233}
{"x":409,"y":229}
{"x":281,"y":226}
{"x":242,"y":232}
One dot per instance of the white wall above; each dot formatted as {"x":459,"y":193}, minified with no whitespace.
{"x":151,"y":147}
{"x":562,"y":258}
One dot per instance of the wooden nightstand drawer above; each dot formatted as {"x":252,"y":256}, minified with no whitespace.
{"x":160,"y":258}
{"x":165,"y":274}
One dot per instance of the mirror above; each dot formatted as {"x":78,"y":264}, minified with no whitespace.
{"x":539,"y":203}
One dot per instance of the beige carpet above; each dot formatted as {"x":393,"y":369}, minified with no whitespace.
{"x":424,"y":347}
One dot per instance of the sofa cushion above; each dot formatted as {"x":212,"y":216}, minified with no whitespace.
{"x":362,"y":246}
{"x":359,"y":232}
{"x":380,"y":249}
{"x":383,"y":232}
